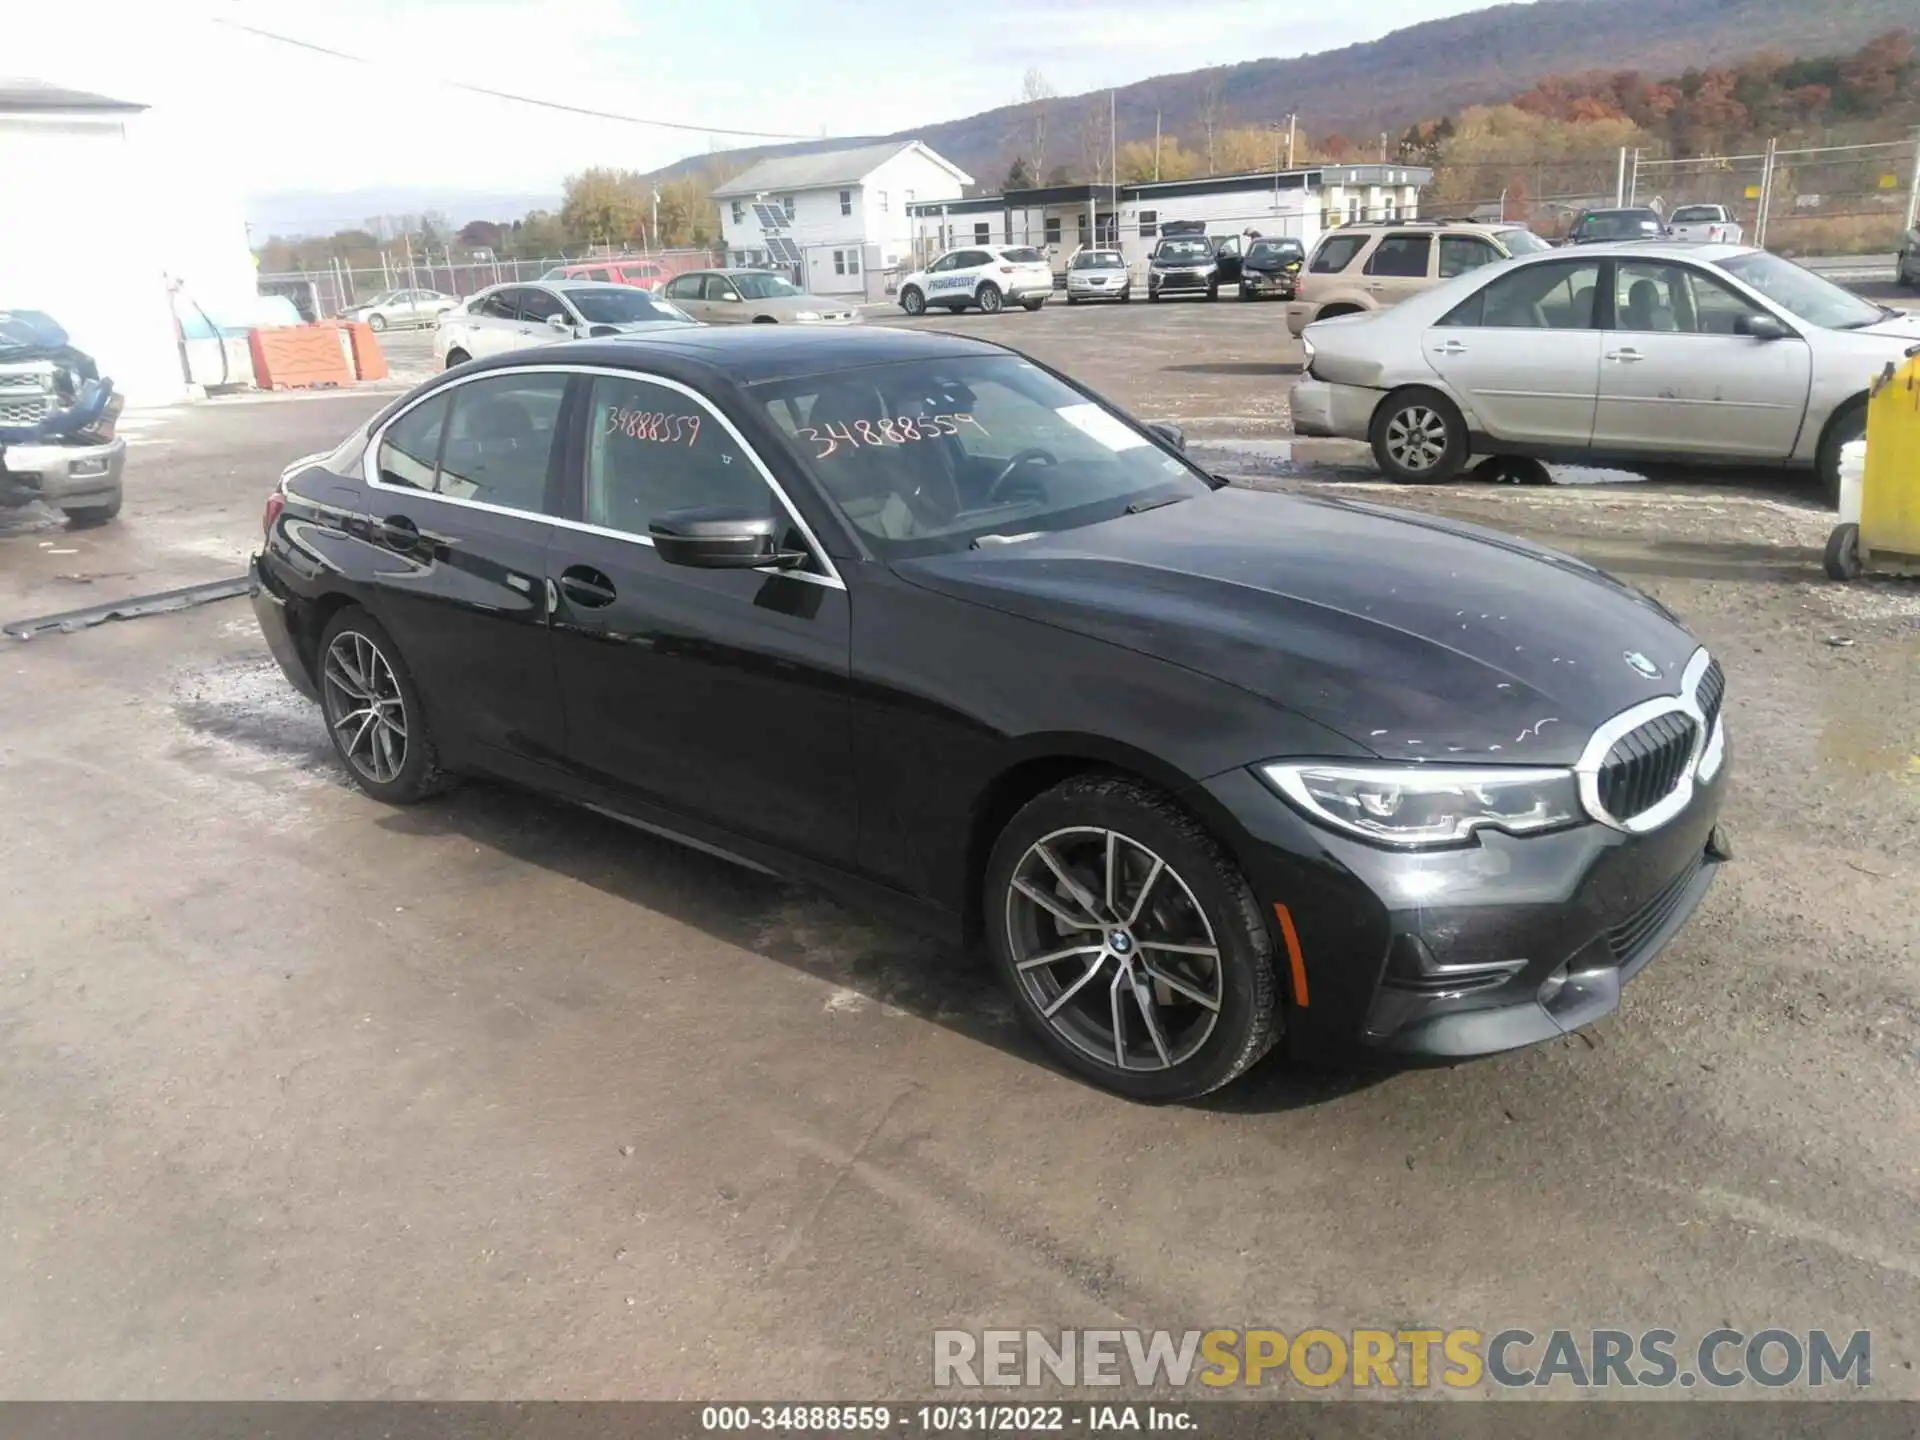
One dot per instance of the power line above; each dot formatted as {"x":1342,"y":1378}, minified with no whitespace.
{"x":521,"y":99}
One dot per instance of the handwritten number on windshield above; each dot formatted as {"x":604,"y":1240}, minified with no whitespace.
{"x":898,"y":430}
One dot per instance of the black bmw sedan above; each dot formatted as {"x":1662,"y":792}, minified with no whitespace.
{"x":919,"y":620}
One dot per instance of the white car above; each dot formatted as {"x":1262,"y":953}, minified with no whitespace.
{"x":1624,"y":353}
{"x":1712,"y":223}
{"x":990,"y":276}
{"x":402,"y":307}
{"x":512,"y":317}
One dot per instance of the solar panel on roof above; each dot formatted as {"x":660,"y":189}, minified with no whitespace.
{"x":771,"y":217}
{"x":781,"y":250}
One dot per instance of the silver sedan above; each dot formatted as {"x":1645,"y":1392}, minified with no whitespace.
{"x":1621,"y":353}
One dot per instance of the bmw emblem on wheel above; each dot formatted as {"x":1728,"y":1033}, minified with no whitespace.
{"x":1645,"y":666}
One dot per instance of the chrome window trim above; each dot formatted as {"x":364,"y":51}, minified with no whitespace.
{"x":370,"y":465}
{"x":1586,"y":769}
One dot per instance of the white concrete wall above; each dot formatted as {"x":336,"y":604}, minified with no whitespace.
{"x":908,"y":178}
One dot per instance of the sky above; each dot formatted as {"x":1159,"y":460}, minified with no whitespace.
{"x":269,"y":117}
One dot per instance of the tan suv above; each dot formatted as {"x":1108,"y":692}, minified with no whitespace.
{"x":1372,"y":266}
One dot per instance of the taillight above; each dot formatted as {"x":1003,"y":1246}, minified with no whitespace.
{"x":276,"y":502}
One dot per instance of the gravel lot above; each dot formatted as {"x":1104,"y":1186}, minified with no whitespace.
{"x":302,"y":1097}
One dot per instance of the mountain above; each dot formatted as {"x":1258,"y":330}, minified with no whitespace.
{"x":309,"y":212}
{"x":1421,"y":72}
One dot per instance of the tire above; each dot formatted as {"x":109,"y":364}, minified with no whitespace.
{"x":1213,"y":293}
{"x":377,"y":323}
{"x":912,"y":301}
{"x":1205,"y":1033}
{"x":1843,"y":553}
{"x":1848,"y":423}
{"x":1126,"y":295}
{"x":1073,"y":300}
{"x":457,"y":357}
{"x":1244,"y":292}
{"x":1033,"y":306}
{"x":765,"y":320}
{"x":358,"y":660}
{"x":1153,"y":297}
{"x":80,"y":517}
{"x":1418,"y":437}
{"x":989,"y":299}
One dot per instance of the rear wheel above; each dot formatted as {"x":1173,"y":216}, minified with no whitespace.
{"x":989,"y":299}
{"x":376,"y":323}
{"x":912,"y":301}
{"x":1033,"y":305}
{"x":1130,"y":940}
{"x":1849,"y":423}
{"x":1418,"y":437}
{"x":373,"y":710}
{"x":457,"y":357}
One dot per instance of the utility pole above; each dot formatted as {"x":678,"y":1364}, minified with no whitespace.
{"x":1619,"y":181}
{"x":1275,"y":127}
{"x":1291,"y":119}
{"x":1156,"y":150}
{"x":1913,"y":187}
{"x":655,"y":232}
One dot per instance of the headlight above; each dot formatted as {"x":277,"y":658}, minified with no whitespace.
{"x":1417,"y":806}
{"x":806,"y":314}
{"x":1306,"y":345}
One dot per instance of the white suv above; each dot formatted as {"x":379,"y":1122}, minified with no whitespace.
{"x":990,"y":276}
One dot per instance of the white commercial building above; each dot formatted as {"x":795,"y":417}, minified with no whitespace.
{"x":846,"y":212}
{"x":108,"y":219}
{"x":1061,"y":218}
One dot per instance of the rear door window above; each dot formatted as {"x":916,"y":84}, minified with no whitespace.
{"x":1335,"y":253}
{"x":1461,"y":253}
{"x":1537,"y":297}
{"x":500,"y":439}
{"x":410,"y":449}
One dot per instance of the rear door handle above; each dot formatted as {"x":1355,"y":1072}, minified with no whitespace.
{"x":1452,"y":347}
{"x":1625,"y":357}
{"x":400,"y":533}
{"x":587,"y":587}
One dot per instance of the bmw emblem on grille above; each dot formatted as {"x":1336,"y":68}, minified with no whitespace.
{"x":1643,"y":665}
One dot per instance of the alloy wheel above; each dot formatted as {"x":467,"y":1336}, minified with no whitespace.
{"x":1417,"y":438}
{"x":364,"y":706}
{"x":1112,"y":949}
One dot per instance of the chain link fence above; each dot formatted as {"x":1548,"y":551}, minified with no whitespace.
{"x":338,"y":286}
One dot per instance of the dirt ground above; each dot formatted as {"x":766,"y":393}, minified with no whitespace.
{"x":302,"y":1097}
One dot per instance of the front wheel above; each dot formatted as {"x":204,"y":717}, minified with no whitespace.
{"x":373,"y":711}
{"x":1213,"y":293}
{"x":457,"y":357}
{"x":82,"y":516}
{"x":1418,"y":437}
{"x":989,"y":300}
{"x":377,"y":323}
{"x":1125,"y":296}
{"x":1131,"y":941}
{"x":912,"y":301}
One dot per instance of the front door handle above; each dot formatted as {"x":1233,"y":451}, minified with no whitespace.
{"x":1625,"y":357}
{"x":587,"y":587}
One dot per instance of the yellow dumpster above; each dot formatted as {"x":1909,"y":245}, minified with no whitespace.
{"x":1879,"y":525}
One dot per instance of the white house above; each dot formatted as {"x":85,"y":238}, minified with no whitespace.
{"x":113,"y":219}
{"x":1061,"y":218}
{"x":847,"y":212}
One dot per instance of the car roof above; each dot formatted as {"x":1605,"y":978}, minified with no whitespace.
{"x":752,"y":354}
{"x":1663,"y":249}
{"x":1476,"y":227}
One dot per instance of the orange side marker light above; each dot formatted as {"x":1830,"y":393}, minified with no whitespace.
{"x":1296,"y":964}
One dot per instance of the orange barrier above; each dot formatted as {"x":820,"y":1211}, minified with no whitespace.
{"x":297,"y":357}
{"x":369,"y":361}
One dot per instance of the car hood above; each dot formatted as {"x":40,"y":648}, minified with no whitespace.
{"x":1415,"y":637}
{"x":1905,"y":326}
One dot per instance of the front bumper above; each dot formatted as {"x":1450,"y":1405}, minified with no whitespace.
{"x":1089,"y":288}
{"x":270,"y":604}
{"x":63,"y":475}
{"x":1447,"y":954}
{"x":1262,"y":282}
{"x":1171,"y":282}
{"x":1335,"y":412}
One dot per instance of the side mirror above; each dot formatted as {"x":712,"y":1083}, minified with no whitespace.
{"x":560,"y":323}
{"x":720,"y":537}
{"x":1172,"y":434}
{"x":1763,"y":327}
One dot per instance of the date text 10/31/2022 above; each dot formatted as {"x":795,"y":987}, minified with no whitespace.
{"x":900,"y":430}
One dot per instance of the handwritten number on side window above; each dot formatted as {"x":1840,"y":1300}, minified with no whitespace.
{"x":654,"y":425}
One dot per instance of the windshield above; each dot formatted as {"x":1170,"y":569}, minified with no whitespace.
{"x":1276,"y":250}
{"x":1690,"y":214}
{"x":1619,"y":225}
{"x":763,"y":286}
{"x":1801,"y":292}
{"x":925,"y":458}
{"x":622,"y":305}
{"x":1183,"y":250}
{"x":1521,"y":242}
{"x":1098,"y":260}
